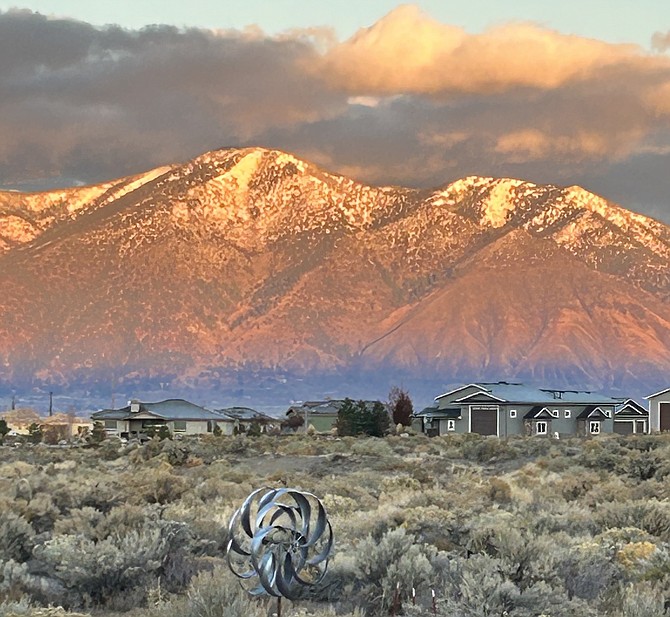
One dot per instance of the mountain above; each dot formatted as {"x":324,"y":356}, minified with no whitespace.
{"x":251,"y":264}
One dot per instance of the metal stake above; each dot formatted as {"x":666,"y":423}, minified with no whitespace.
{"x":279,"y":606}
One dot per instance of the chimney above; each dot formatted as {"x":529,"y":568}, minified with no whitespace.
{"x":134,"y":406}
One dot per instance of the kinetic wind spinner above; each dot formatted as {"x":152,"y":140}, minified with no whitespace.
{"x":280,"y":541}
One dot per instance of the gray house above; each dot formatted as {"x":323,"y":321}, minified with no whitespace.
{"x":246,"y":417}
{"x":180,"y":417}
{"x":504,"y":409}
{"x":659,"y":410}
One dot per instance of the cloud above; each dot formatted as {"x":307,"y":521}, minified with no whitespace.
{"x":407,"y":101}
{"x":71,"y":93}
{"x":408,"y":52}
{"x":660,"y":41}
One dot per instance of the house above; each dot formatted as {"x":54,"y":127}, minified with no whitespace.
{"x":65,"y":426}
{"x":503,"y":409}
{"x":322,"y":415}
{"x":139,"y":419}
{"x":246,"y":417}
{"x":18,"y":420}
{"x":659,"y":410}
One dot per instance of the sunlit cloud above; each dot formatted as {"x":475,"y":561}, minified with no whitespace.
{"x":407,"y":101}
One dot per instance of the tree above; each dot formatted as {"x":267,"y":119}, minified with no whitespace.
{"x":378,"y":422}
{"x":401,"y":406}
{"x":98,"y":433}
{"x":163,"y":432}
{"x":35,"y":433}
{"x":293,"y":422}
{"x":361,"y":418}
{"x":4,"y":429}
{"x":347,"y":417}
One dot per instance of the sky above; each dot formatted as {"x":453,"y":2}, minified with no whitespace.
{"x":413,"y":94}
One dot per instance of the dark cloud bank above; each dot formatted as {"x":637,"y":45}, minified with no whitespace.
{"x":421,"y":109}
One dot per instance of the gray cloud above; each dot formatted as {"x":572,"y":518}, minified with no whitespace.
{"x":96,"y":103}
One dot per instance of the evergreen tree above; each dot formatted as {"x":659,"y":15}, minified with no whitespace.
{"x":379,"y":424}
{"x":4,"y":429}
{"x":361,"y":418}
{"x":163,"y":432}
{"x":346,"y":419}
{"x":35,"y":433}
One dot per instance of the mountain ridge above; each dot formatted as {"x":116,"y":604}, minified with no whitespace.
{"x":248,"y":260}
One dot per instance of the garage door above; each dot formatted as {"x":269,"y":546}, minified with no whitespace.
{"x":623,"y":428}
{"x":664,"y":410}
{"x":484,"y":421}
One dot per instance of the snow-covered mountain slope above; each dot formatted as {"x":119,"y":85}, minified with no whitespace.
{"x":254,"y":260}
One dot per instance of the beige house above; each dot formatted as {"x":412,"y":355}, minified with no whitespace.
{"x":138,"y":419}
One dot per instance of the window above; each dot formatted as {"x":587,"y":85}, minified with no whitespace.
{"x":179,"y":426}
{"x":512,"y":413}
{"x":554,"y":412}
{"x":567,"y":413}
{"x":110,"y":424}
{"x":451,"y":425}
{"x":540,"y":428}
{"x":594,"y":428}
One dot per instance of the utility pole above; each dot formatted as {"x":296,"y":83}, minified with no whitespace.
{"x":51,"y":404}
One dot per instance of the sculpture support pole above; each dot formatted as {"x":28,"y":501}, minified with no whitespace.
{"x":278,"y":607}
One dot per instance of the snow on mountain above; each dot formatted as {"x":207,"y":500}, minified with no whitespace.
{"x":244,"y":261}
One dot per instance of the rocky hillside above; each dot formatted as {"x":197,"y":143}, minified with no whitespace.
{"x":250,"y":261}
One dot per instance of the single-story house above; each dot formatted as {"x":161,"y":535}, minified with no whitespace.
{"x":659,"y":410}
{"x":139,"y":419}
{"x":503,"y":409}
{"x":322,"y":415}
{"x":247,"y":417}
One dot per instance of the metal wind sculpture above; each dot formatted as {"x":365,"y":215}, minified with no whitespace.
{"x":280,"y":541}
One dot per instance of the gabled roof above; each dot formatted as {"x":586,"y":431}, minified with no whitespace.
{"x":592,"y":411}
{"x":477,"y":395}
{"x":539,"y":413}
{"x":470,"y":385}
{"x":170,"y":409}
{"x":629,"y":407}
{"x":646,"y":398}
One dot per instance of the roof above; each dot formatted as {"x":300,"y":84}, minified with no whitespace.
{"x":330,"y":407}
{"x":646,"y":398}
{"x":170,"y":409}
{"x":520,"y":393}
{"x":592,"y":411}
{"x":244,"y":413}
{"x":629,"y":407}
{"x":539,"y":412}
{"x":452,"y":413}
